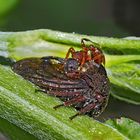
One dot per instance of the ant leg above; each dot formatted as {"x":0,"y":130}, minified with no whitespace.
{"x":83,"y":59}
{"x":91,"y":48}
{"x":72,"y":101}
{"x":100,"y":58}
{"x":84,"y":52}
{"x":98,"y":55}
{"x":84,"y":110}
{"x":71,"y":50}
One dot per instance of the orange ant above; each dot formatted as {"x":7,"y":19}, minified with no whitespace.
{"x":87,"y":53}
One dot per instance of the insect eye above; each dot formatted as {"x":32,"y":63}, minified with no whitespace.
{"x":72,"y":67}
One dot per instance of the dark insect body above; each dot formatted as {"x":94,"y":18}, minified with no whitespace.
{"x":82,"y":84}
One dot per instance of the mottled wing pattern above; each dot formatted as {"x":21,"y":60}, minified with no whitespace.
{"x":88,"y":93}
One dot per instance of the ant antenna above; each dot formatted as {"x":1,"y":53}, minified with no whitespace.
{"x":85,"y":39}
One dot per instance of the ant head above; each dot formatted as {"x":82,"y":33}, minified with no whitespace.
{"x":71,"y":65}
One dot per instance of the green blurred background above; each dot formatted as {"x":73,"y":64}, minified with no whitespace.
{"x":116,"y":18}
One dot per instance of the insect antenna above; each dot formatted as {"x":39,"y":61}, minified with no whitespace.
{"x":85,"y":39}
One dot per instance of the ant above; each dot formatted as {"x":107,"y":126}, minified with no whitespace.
{"x":87,"y":53}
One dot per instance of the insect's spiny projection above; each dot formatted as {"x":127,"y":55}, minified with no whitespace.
{"x":80,"y":81}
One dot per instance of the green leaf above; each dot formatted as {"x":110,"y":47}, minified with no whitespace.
{"x":33,"y":112}
{"x":122,"y":55}
{"x":124,"y":74}
{"x":127,"y":127}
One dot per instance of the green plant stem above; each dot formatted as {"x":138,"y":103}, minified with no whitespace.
{"x":108,"y":44}
{"x":33,"y":112}
{"x":12,"y":132}
{"x":122,"y":55}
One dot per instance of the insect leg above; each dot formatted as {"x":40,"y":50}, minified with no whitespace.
{"x":72,"y":101}
{"x":97,"y":54}
{"x":84,"y":110}
{"x":71,"y":50}
{"x":41,"y":90}
{"x":99,"y":58}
